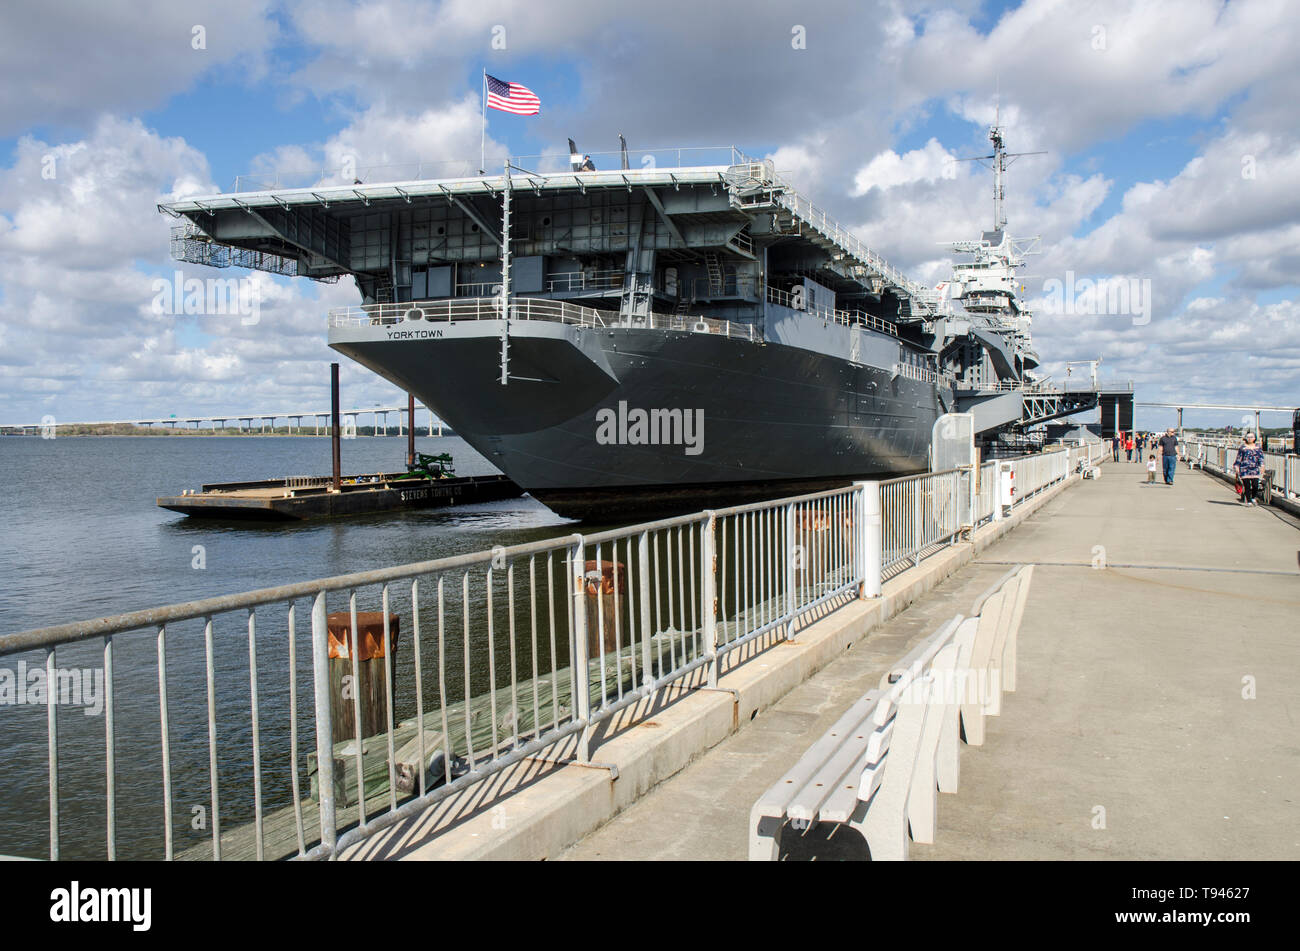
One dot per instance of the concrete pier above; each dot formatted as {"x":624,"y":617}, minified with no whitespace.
{"x":1156,"y":709}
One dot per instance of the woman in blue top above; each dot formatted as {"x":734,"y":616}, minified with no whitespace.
{"x":1249,"y":466}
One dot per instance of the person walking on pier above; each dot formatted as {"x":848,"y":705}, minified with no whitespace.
{"x":1128,"y":448}
{"x":1114,"y":446}
{"x":1151,"y":469}
{"x":1169,"y":455}
{"x":1249,"y":466}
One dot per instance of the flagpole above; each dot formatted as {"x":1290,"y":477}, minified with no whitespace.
{"x":482,"y":142}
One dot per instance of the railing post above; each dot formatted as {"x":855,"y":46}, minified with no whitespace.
{"x":708,"y":593}
{"x":578,"y":649}
{"x":918,"y":495}
{"x":643,"y":600}
{"x":792,"y":564}
{"x":320,"y":666}
{"x":869,"y":538}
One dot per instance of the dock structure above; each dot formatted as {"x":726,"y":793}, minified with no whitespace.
{"x":605,"y":696}
{"x":307,"y":497}
{"x":1150,"y":720}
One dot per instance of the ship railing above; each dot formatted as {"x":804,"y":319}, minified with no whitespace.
{"x":741,"y":330}
{"x":753,"y":175}
{"x":913,"y":372}
{"x":848,"y":318}
{"x":466,"y":308}
{"x":233,"y":712}
{"x":817,"y":218}
{"x":852,"y":318}
{"x":585,"y":281}
{"x":732,"y":285}
{"x":476,"y":289}
{"x":1019,"y":386}
{"x":416,"y":313}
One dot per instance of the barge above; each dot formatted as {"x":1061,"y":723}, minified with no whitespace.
{"x":306,"y":497}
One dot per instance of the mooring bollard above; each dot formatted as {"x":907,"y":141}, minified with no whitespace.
{"x":602,"y":580}
{"x":372,"y":671}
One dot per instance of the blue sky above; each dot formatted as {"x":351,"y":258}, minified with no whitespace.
{"x":1148,"y":114}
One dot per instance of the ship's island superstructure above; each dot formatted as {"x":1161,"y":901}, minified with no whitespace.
{"x":643,"y":340}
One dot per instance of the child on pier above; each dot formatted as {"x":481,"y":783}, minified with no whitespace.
{"x":1151,"y":469}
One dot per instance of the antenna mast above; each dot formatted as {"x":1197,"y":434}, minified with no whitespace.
{"x":998,"y":162}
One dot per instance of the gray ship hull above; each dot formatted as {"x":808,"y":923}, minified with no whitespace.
{"x":769,"y":419}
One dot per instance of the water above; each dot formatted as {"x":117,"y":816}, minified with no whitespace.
{"x":84,"y":538}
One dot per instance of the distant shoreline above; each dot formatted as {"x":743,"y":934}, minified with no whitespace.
{"x":73,"y":431}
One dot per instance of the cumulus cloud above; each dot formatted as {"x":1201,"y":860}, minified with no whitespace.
{"x":382,"y":144}
{"x":81,"y":251}
{"x":889,"y":169}
{"x":64,"y":63}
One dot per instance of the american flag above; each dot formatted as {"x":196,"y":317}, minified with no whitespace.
{"x":512,"y":97}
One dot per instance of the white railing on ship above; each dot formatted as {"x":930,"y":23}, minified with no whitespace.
{"x":817,"y":217}
{"x":530,"y":308}
{"x":750,"y":174}
{"x":848,"y":318}
{"x":912,"y":372}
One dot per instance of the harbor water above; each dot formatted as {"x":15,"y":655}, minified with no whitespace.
{"x":95,"y":544}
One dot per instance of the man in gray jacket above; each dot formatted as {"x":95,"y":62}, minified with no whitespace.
{"x":1169,"y":455}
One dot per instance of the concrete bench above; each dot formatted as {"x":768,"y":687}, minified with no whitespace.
{"x":880,"y":768}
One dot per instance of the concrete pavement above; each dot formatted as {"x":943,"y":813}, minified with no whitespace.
{"x":1156,"y":709}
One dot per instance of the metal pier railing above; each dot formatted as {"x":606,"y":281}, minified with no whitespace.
{"x":217,"y":738}
{"x":1219,"y":453}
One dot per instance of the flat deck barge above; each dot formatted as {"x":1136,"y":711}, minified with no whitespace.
{"x":304,"y":497}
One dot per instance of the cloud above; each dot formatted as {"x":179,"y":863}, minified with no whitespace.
{"x":889,"y":169}
{"x":80,"y":253}
{"x":381,"y":144}
{"x":64,"y":63}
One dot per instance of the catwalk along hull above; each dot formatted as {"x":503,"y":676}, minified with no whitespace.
{"x":726,"y":419}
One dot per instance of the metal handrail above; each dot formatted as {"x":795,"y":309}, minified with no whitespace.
{"x":682,"y":593}
{"x":532,"y":308}
{"x":848,"y":318}
{"x":1219,"y":453}
{"x":608,"y":279}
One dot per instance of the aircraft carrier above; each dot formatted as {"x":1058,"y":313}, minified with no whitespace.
{"x":627,"y":342}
